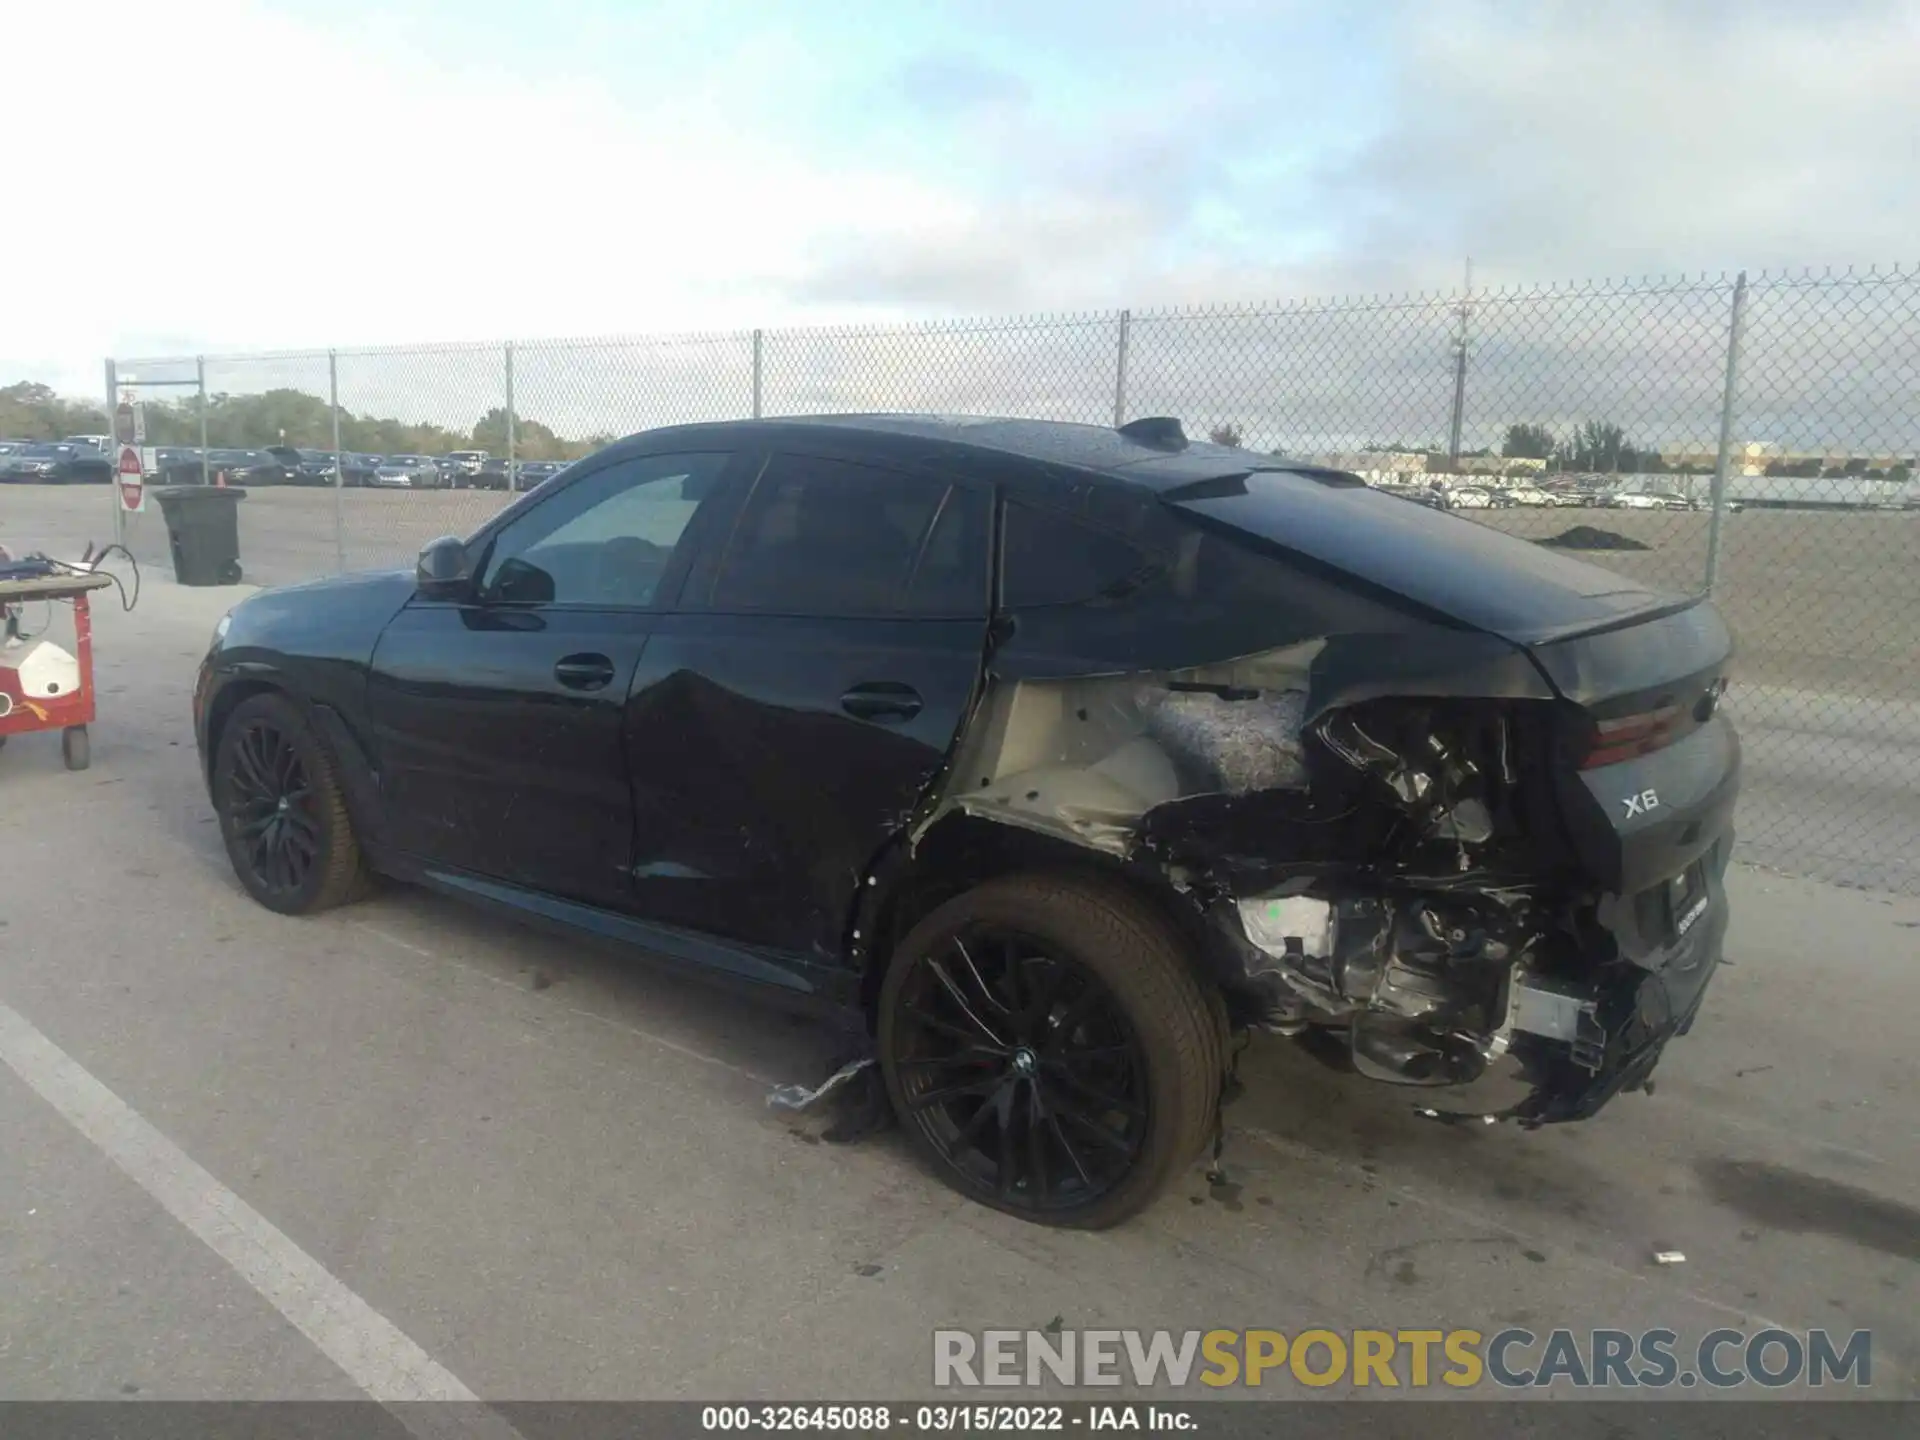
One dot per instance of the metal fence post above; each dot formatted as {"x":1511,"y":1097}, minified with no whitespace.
{"x":1462,"y":344}
{"x":1120,"y":371}
{"x":758,"y":374}
{"x":513,"y":477}
{"x":113,"y":401}
{"x":339,"y":464}
{"x":200,"y":379}
{"x":1736,"y":333}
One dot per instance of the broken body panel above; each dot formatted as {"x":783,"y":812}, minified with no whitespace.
{"x":1444,"y":795}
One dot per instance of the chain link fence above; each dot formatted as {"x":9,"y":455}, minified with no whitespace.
{"x":1752,"y":436}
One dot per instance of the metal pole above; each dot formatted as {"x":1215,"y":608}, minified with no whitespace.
{"x":513,"y":478}
{"x":113,"y":401}
{"x":1460,"y":376}
{"x":1120,"y":371}
{"x":1736,"y":334}
{"x":758,"y":373}
{"x":200,"y":379}
{"x":339,"y":465}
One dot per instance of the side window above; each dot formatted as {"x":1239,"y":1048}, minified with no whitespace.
{"x":825,"y":537}
{"x":950,"y":575}
{"x":607,"y":540}
{"x":1052,"y":560}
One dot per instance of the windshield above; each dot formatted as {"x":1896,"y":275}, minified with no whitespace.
{"x":46,"y":452}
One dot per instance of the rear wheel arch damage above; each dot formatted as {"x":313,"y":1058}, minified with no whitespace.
{"x":1338,"y":854}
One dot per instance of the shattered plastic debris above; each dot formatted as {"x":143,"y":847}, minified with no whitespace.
{"x":1669,"y":1257}
{"x":797,"y":1098}
{"x":1248,"y":744}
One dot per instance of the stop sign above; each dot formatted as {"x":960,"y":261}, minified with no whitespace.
{"x":131,"y":479}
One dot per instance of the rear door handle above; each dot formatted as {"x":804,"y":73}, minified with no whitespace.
{"x":584,"y":672}
{"x":886,"y":702}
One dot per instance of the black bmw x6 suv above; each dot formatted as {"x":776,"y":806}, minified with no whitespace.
{"x":1051,"y":756}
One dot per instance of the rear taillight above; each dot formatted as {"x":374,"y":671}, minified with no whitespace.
{"x":1626,"y":736}
{"x":1629,"y":736}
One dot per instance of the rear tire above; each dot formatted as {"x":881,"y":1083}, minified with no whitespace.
{"x":75,"y":748}
{"x":1060,"y":977}
{"x":282,"y":813}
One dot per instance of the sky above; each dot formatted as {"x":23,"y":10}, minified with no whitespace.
{"x":286,"y":174}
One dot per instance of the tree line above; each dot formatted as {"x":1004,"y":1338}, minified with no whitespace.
{"x":31,"y":411}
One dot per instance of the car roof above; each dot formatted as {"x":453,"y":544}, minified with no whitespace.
{"x":1153,"y":453}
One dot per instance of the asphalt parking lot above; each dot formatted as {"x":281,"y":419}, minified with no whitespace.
{"x":535,"y":1170}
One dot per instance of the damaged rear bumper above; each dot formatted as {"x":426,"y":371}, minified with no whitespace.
{"x":1477,"y":857}
{"x":1584,"y":1022}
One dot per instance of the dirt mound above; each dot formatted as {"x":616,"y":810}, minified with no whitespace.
{"x":1587,"y":537}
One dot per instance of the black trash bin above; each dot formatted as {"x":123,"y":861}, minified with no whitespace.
{"x":203,"y":532}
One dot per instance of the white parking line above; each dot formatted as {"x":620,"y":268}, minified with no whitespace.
{"x":372,"y":1351}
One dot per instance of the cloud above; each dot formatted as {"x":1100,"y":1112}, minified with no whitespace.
{"x":1567,"y":140}
{"x":948,"y":85}
{"x":287,"y":184}
{"x":1547,"y":141}
{"x":331,"y":183}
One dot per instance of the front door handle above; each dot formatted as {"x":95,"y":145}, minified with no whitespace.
{"x":584,"y":672}
{"x":886,"y":702}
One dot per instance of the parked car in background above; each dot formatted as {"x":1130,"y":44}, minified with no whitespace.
{"x":538,"y":472}
{"x":101,"y":444}
{"x":271,"y":465}
{"x":308,"y":467}
{"x":1432,"y":496}
{"x":699,"y":696}
{"x":1523,"y":494}
{"x":1647,"y":500}
{"x":235,"y":467}
{"x":463,"y":466}
{"x":9,"y":447}
{"x":360,"y":468}
{"x":1474,"y":497}
{"x":409,"y":472}
{"x":492,"y":474}
{"x":1585,"y":497}
{"x":56,"y":462}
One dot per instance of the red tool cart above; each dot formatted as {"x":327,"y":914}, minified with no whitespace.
{"x":42,"y":687}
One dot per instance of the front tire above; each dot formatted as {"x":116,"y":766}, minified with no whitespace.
{"x":282,"y":813}
{"x":1049,"y":1050}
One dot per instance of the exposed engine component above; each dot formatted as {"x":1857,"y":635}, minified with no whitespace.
{"x":1392,"y":872}
{"x":1430,"y":778}
{"x":1417,"y":981}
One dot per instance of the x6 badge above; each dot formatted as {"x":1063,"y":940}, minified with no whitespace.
{"x":1640,"y":804}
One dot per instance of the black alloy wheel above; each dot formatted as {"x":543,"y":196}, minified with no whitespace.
{"x":1047,"y":1046}
{"x":270,"y":800}
{"x":281,"y":810}
{"x":1022,"y":1069}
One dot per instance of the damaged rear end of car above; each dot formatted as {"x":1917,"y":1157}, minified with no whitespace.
{"x":1421,"y":793}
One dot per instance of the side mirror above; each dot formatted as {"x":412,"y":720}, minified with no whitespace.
{"x":444,"y":570}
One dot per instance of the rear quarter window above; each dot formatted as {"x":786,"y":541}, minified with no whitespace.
{"x":1053,"y":559}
